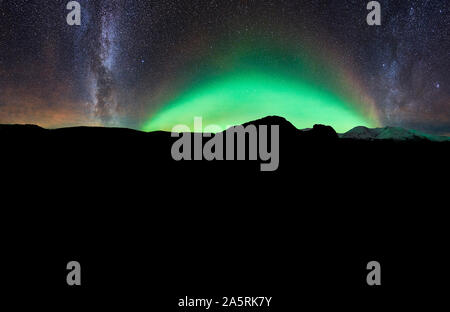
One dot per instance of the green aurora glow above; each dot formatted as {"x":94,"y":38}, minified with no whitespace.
{"x":257,"y":84}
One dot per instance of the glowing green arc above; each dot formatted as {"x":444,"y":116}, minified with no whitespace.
{"x":246,"y":96}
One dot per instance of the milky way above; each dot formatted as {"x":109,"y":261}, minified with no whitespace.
{"x":103,"y":64}
{"x":150,"y":64}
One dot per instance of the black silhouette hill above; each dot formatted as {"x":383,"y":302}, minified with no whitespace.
{"x":109,"y":189}
{"x":390,"y":133}
{"x":116,"y":198}
{"x":321,"y":145}
{"x":314,"y":158}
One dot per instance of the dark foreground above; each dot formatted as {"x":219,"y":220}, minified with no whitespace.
{"x":148,"y":230}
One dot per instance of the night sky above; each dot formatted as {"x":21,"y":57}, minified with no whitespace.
{"x":150,"y":65}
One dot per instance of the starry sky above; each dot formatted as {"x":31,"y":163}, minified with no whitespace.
{"x":150,"y":65}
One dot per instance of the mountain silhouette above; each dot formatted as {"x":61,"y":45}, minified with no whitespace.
{"x":390,"y":133}
{"x":314,"y":152}
{"x":318,"y":132}
{"x":111,"y":191}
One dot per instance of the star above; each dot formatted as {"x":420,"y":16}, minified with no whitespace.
{"x":130,"y":58}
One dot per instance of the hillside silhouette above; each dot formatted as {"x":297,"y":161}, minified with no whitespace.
{"x":117,"y":195}
{"x":97,"y":149}
{"x":314,"y":161}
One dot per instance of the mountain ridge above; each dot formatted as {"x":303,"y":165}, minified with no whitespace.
{"x":356,"y":133}
{"x":390,"y":133}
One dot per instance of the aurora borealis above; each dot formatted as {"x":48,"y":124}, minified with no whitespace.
{"x":150,"y":65}
{"x":238,"y":99}
{"x":256,"y":85}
